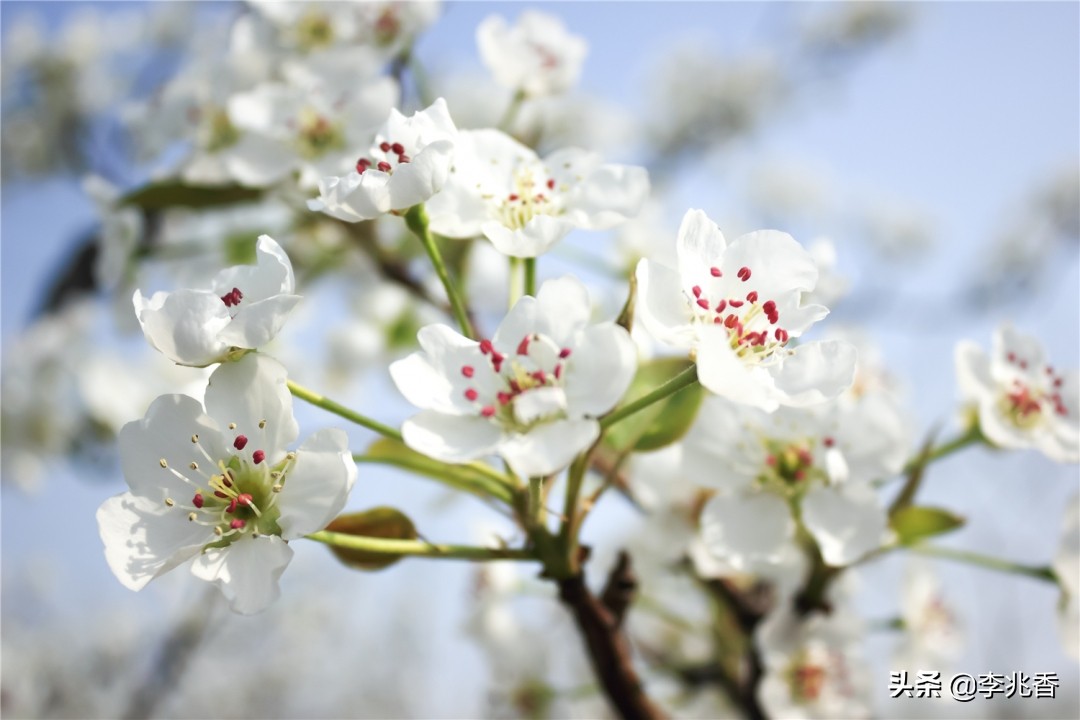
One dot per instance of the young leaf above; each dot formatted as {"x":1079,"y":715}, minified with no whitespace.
{"x":915,"y":523}
{"x":662,"y":423}
{"x":381,"y":522}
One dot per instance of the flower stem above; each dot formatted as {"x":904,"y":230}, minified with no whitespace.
{"x":684,"y":379}
{"x":338,"y":409}
{"x":417,"y":221}
{"x":1040,"y":572}
{"x":530,"y":276}
{"x":536,"y":500}
{"x":477,"y":478}
{"x":969,"y":437}
{"x":417,"y":548}
{"x":511,"y":111}
{"x":516,"y":285}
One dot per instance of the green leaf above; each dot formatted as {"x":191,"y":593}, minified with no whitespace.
{"x":915,"y":523}
{"x":381,"y":522}
{"x":176,"y":193}
{"x":663,"y":422}
{"x":467,"y":477}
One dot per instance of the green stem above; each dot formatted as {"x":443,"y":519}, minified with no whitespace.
{"x":970,"y":437}
{"x":530,"y":276}
{"x":992,"y":563}
{"x":536,"y":500}
{"x":516,"y":285}
{"x":417,"y":221}
{"x":490,"y":483}
{"x":511,"y":111}
{"x":416,"y":548}
{"x":338,"y":409}
{"x":684,"y":379}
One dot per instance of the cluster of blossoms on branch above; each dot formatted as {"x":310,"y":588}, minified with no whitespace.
{"x":755,"y":435}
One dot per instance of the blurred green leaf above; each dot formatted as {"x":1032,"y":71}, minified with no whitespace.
{"x":663,"y":422}
{"x":914,"y":523}
{"x":176,"y":193}
{"x":381,"y":522}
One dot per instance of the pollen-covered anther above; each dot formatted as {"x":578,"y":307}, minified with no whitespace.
{"x":170,"y":502}
{"x":240,"y":442}
{"x":163,"y":463}
{"x":258,"y":456}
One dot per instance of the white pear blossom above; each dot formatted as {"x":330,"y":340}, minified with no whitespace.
{"x":524,"y":205}
{"x":537,"y":56}
{"x":531,"y":394}
{"x":819,"y":460}
{"x":243,"y":308}
{"x":408,"y":163}
{"x":218,"y":486}
{"x":813,"y":667}
{"x":121,"y":228}
{"x":737,"y":306}
{"x":933,"y":635}
{"x":1067,"y":569}
{"x":1020,"y":399}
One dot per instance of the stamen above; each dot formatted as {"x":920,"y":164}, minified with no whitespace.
{"x":198,"y":501}
{"x":170,"y":502}
{"x":715,"y":272}
{"x":237,"y":524}
{"x":262,"y":424}
{"x":488,"y":411}
{"x":703,"y":303}
{"x":162,"y":463}
{"x":467,"y":371}
{"x":397,"y":148}
{"x":384,"y":146}
{"x":751,"y":296}
{"x":744,"y":274}
{"x":564,"y":353}
{"x":697,"y":291}
{"x":523,"y":346}
{"x":383,"y":166}
{"x":258,"y":456}
{"x":471,"y":394}
{"x":240,"y":442}
{"x":486,"y":347}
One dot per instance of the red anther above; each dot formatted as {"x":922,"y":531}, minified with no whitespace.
{"x":227,"y":299}
{"x":1011,"y":357}
{"x":805,"y":457}
{"x":403,"y":158}
{"x":769,"y":307}
{"x":715,"y":272}
{"x":471,"y":394}
{"x":523,"y":346}
{"x":551,"y":183}
{"x":512,"y":197}
{"x":731,"y":321}
{"x":245,"y":499}
{"x":225,"y":479}
{"x":759,"y":338}
{"x":540,"y":197}
{"x":751,"y":297}
{"x":467,"y":370}
{"x":697,"y":291}
{"x":557,"y":371}
{"x":735,"y":303}
{"x":198,"y":500}
{"x":503,"y":397}
{"x":362,"y":164}
{"x":564,"y":353}
{"x":232,"y":506}
{"x":703,"y":303}
{"x":1049,"y":370}
{"x":237,"y":524}
{"x":744,"y":273}
{"x":218,"y":493}
{"x":398,"y":148}
{"x":258,"y":456}
{"x":1023,"y":364}
{"x":488,"y":411}
{"x":540,"y":376}
{"x":739,"y":329}
{"x":770,"y":460}
{"x":515,"y":387}
{"x":383,"y":166}
{"x":721,"y":306}
{"x":800,"y":474}
{"x":486,"y":346}
{"x":717,"y":320}
{"x":1057,"y":382}
{"x":497,"y":360}
{"x":384,"y":146}
{"x":828,"y":441}
{"x":781,"y":335}
{"x":239,"y":442}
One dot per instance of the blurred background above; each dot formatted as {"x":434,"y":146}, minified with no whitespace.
{"x":935,"y":145}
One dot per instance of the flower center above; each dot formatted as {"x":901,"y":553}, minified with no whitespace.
{"x":232,"y":298}
{"x":316,"y":134}
{"x":236,"y":495}
{"x":387,"y":26}
{"x":807,"y":682}
{"x":751,"y":321}
{"x":393,"y":154}
{"x":527,"y":200}
{"x":790,"y":465}
{"x":216,"y":131}
{"x":314,"y":30}
{"x":529,"y":390}
{"x":1027,"y":404}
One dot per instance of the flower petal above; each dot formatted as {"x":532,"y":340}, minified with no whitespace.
{"x":563,"y":309}
{"x":662,"y":307}
{"x":548,"y":448}
{"x":815,"y":372}
{"x":247,"y":571}
{"x":609,"y":195}
{"x":778,"y":263}
{"x":723,"y":372}
{"x":700,"y":246}
{"x":184,"y":325}
{"x":537,"y":237}
{"x":257,"y":323}
{"x":248,"y":392}
{"x":972,"y":370}
{"x":747,"y":527}
{"x":451,"y":438}
{"x":317,"y":486}
{"x":847,"y":521}
{"x":599,"y":370}
{"x":414,"y":182}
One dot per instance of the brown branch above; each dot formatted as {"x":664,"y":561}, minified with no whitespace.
{"x":599,"y":621}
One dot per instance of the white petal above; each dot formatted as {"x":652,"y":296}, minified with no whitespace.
{"x":247,"y":392}
{"x":847,"y":521}
{"x":537,"y":237}
{"x":165,"y":434}
{"x":700,"y":246}
{"x":747,"y":527}
{"x":184,"y":325}
{"x":608,"y":196}
{"x":539,"y":403}
{"x":317,"y":486}
{"x":518,"y":323}
{"x":246,"y":571}
{"x":414,"y":182}
{"x":548,"y":448}
{"x":257,"y":161}
{"x":661,"y":305}
{"x":272,"y":274}
{"x":816,"y":372}
{"x":721,"y":449}
{"x":451,"y":438}
{"x":599,"y":370}
{"x":256,"y":324}
{"x":779,"y":265}
{"x":723,"y":372}
{"x":972,"y":370}
{"x":563,"y":309}
{"x":145,"y":538}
